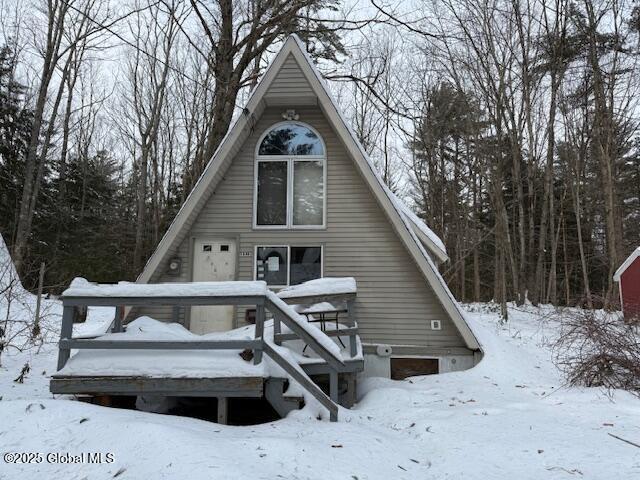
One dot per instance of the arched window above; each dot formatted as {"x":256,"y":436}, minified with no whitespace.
{"x":291,"y":139}
{"x":290,"y":178}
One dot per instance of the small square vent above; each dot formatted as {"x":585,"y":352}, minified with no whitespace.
{"x":436,"y":325}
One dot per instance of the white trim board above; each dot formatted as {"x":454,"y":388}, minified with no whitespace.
{"x":385,"y":198}
{"x":626,"y":264}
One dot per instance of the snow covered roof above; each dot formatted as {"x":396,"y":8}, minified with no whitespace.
{"x":425,"y":234}
{"x":626,"y":264}
{"x":82,"y":288}
{"x":409,"y":233}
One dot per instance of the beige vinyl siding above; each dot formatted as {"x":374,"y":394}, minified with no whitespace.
{"x":290,"y":82}
{"x":394,"y":303}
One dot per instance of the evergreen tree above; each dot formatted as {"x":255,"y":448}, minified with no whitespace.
{"x":86,"y":228}
{"x":15,"y":128}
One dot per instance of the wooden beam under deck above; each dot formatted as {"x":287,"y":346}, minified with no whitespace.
{"x":172,"y":387}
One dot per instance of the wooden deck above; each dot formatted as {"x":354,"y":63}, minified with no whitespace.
{"x":326,"y":364}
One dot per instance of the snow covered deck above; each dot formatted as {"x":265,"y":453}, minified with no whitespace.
{"x":150,"y":357}
{"x":192,"y":361}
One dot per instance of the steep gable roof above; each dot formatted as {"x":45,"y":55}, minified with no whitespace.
{"x":401,"y":218}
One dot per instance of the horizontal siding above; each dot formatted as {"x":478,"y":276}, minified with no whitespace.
{"x":394,"y":303}
{"x":289,"y":82}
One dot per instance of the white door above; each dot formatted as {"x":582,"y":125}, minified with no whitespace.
{"x":213,"y":261}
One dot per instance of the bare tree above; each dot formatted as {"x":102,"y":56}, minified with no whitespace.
{"x":148,"y":82}
{"x":239,"y":35}
{"x":67,"y":25}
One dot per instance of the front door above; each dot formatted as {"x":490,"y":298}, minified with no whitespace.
{"x":213,"y":261}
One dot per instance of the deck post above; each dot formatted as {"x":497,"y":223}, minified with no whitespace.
{"x":353,"y":346}
{"x":66,"y":332}
{"x":117,"y":320}
{"x":333,"y":385}
{"x":260,"y":314}
{"x":276,"y":329}
{"x":350,"y":396}
{"x":223,"y":410}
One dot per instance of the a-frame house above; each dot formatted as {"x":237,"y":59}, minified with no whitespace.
{"x":290,"y":195}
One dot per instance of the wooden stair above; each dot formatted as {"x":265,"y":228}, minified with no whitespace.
{"x":275,"y":393}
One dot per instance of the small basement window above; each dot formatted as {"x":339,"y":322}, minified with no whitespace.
{"x":402,"y":368}
{"x":281,"y":266}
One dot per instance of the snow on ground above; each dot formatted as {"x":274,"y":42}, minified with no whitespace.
{"x":508,"y":418}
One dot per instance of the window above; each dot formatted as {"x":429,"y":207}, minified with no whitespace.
{"x":404,"y":367}
{"x":272,"y":193}
{"x":281,"y":266}
{"x":271,"y":265}
{"x":290,"y":178}
{"x":308,"y":192}
{"x":291,"y":139}
{"x":305,"y":265}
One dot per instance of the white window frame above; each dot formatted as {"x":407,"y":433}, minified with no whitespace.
{"x":288,"y":247}
{"x":290,"y":159}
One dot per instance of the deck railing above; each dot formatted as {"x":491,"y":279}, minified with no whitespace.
{"x":258,"y":345}
{"x":346,"y":299}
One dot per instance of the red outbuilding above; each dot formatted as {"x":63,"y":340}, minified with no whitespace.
{"x":628,"y":277}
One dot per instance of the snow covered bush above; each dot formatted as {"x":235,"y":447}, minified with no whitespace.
{"x":597,"y":349}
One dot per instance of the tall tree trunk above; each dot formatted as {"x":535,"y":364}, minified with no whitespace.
{"x":603,"y":129}
{"x":548,"y":191}
{"x":55,"y":30}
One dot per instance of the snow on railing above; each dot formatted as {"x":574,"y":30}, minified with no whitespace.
{"x":82,"y":293}
{"x":291,"y":316}
{"x":327,"y":295}
{"x":328,"y":286}
{"x":80,"y":287}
